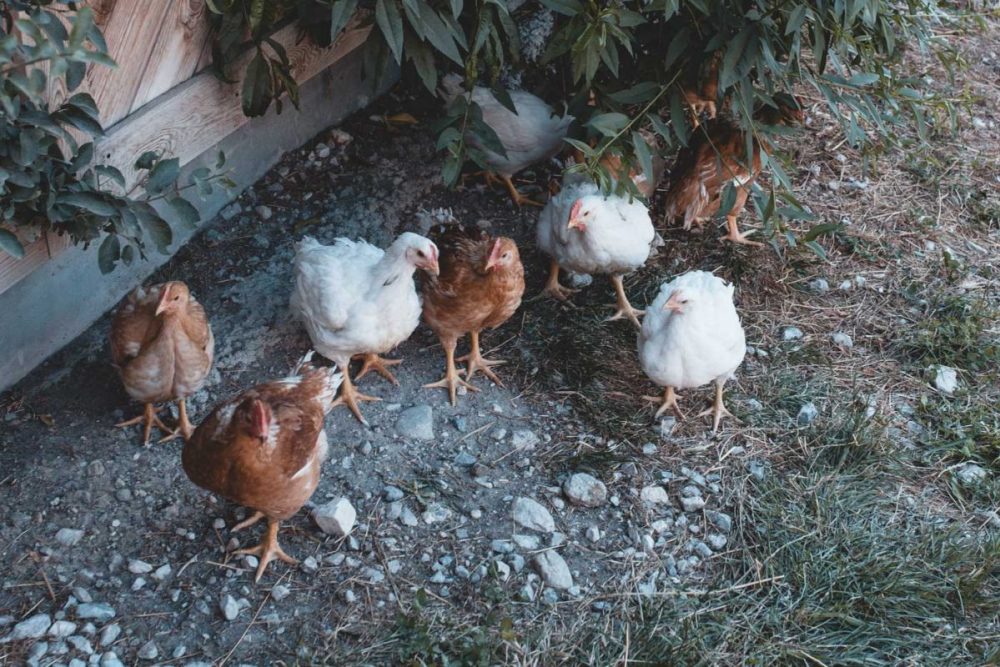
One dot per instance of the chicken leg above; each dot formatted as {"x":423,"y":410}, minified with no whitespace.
{"x":268,"y":549}
{"x":625,"y":308}
{"x":148,"y":418}
{"x":718,"y":409}
{"x":373,"y":362}
{"x":184,"y":426}
{"x":735,"y":235}
{"x":515,"y":194}
{"x":475,"y":362}
{"x":450,"y":379}
{"x":350,"y":396}
{"x":667,"y":402}
{"x":553,"y":288}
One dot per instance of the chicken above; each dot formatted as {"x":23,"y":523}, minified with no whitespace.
{"x":531,"y":135}
{"x":479,"y":287}
{"x":587,"y":232}
{"x":355,"y":299}
{"x":712,"y":159}
{"x":263,"y":449}
{"x":701,"y":92}
{"x":692,"y":335}
{"x":162,"y":346}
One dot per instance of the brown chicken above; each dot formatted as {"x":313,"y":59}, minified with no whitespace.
{"x":701,"y":91}
{"x":715,"y":157}
{"x":479,"y":287}
{"x":264,"y":448}
{"x":162,"y":346}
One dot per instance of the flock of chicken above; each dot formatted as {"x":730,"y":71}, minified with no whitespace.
{"x":264,"y":447}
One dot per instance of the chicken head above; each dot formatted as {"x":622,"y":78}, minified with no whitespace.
{"x":174,"y":298}
{"x":503,"y":254}
{"x":422,"y":253}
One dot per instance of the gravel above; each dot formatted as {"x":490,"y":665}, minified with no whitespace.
{"x":585,"y":490}
{"x":524,"y":439}
{"x":416,"y":423}
{"x":842,"y":340}
{"x":807,"y":414}
{"x":32,"y":627}
{"x":553,"y":569}
{"x":69,"y":537}
{"x":139,"y":567}
{"x":791,"y":333}
{"x":97,"y":611}
{"x":336,"y":517}
{"x":532,"y":514}
{"x":654,"y":495}
{"x":945,"y":379}
{"x":229,"y":607}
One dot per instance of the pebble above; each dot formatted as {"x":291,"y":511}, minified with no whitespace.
{"x":310,"y":564}
{"x":498,"y":434}
{"x":593,"y":533}
{"x":109,"y":659}
{"x":149,"y":651}
{"x":81,"y":644}
{"x":585,"y":490}
{"x":336,"y":517}
{"x":139,"y":567}
{"x":807,"y":414}
{"x":62,"y":629}
{"x":524,"y":439}
{"x":416,"y":422}
{"x":229,"y":607}
{"x":531,"y":514}
{"x":700,"y":548}
{"x":98,"y":611}
{"x":322,"y":151}
{"x":349,"y":596}
{"x":667,"y":426}
{"x":219,"y":524}
{"x":502,"y":546}
{"x":654,"y":495}
{"x":408,"y":518}
{"x":791,"y":333}
{"x":721,"y":520}
{"x":162,"y":572}
{"x":757,"y":469}
{"x":716,"y":541}
{"x":32,"y":627}
{"x":649,"y":449}
{"x":843,"y":340}
{"x":945,"y":379}
{"x":69,"y":537}
{"x":528,"y":542}
{"x":263,"y":211}
{"x":392,"y":493}
{"x":436,"y":513}
{"x":970,"y":473}
{"x":693,"y":503}
{"x":460,"y":423}
{"x":109,"y":634}
{"x":37,"y":652}
{"x":476,"y":513}
{"x":553,"y":569}
{"x":465,"y":460}
{"x":279,"y":592}
{"x":138,"y":584}
{"x":819,"y":285}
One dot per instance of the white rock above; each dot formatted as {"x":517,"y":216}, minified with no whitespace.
{"x":716,"y":541}
{"x":436,"y":513}
{"x":32,"y":627}
{"x":62,"y":629}
{"x":149,"y":651}
{"x":407,"y":517}
{"x":109,"y":634}
{"x":531,"y":514}
{"x":585,"y":490}
{"x":162,"y":572}
{"x":528,"y":542}
{"x":970,"y":473}
{"x":842,"y":339}
{"x":807,"y":414}
{"x":553,"y":569}
{"x":721,"y":520}
{"x":593,"y":533}
{"x":502,"y":569}
{"x":98,"y":611}
{"x":692,"y":503}
{"x":819,"y":285}
{"x":791,"y":333}
{"x":136,"y":566}
{"x":336,"y":517}
{"x":69,"y":537}
{"x":230,"y":608}
{"x":110,"y":659}
{"x":524,"y":439}
{"x":945,"y":379}
{"x":654,"y":495}
{"x":416,"y":423}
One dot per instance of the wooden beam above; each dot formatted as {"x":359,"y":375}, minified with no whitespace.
{"x":36,"y":253}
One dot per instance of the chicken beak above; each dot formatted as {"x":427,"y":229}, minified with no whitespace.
{"x":432,"y":267}
{"x":261,"y":419}
{"x":494,"y":260}
{"x":673,"y":304}
{"x":164,"y":301}
{"x":575,"y":222}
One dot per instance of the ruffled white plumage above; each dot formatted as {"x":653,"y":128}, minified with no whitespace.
{"x":703,"y":344}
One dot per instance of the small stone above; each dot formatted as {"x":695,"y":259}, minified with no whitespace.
{"x":690,"y":491}
{"x":392,"y":494}
{"x":700,"y":548}
{"x":667,"y":426}
{"x":138,"y":584}
{"x":654,"y":495}
{"x":579,"y":280}
{"x":531,"y":514}
{"x":229,"y":607}
{"x":502,"y":570}
{"x":819,"y":285}
{"x":721,"y":520}
{"x":279,"y":592}
{"x":322,"y":151}
{"x":846,"y":285}
{"x":791,"y":333}
{"x":807,"y":414}
{"x":162,"y":572}
{"x":842,"y":340}
{"x":32,"y":627}
{"x":149,"y":651}
{"x":465,"y":460}
{"x":498,"y":434}
{"x":528,"y":542}
{"x":139,"y":567}
{"x":945,"y":379}
{"x":693,"y":503}
{"x":649,"y":449}
{"x":460,"y":423}
{"x":335,"y":517}
{"x":109,"y":659}
{"x":416,"y":423}
{"x":309,"y":564}
{"x":109,"y":634}
{"x":517,"y":562}
{"x":593,"y":533}
{"x":524,"y":439}
{"x":263,"y":211}
{"x":69,"y":537}
{"x":407,"y":517}
{"x":553,"y":569}
{"x":502,"y":547}
{"x":436,"y":513}
{"x":219,"y":524}
{"x":585,"y":490}
{"x":476,"y":513}
{"x":231,"y":211}
{"x":970,"y":474}
{"x":62,"y":629}
{"x":81,"y":644}
{"x":716,"y":541}
{"x":98,"y":611}
{"x":757,"y":469}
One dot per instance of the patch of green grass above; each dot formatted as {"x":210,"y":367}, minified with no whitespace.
{"x":958,"y":430}
{"x":954,"y":331}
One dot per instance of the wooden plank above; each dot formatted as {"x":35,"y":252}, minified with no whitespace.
{"x":177,"y":50}
{"x":199,"y":113}
{"x":36,"y":253}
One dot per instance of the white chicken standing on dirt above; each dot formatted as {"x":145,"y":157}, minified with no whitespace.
{"x":533,"y":134}
{"x":585,"y":231}
{"x":356,"y":299}
{"x":691,"y":336}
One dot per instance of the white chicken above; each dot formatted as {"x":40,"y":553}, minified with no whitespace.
{"x":355,"y":299}
{"x":691,"y":336}
{"x":533,"y":134}
{"x":585,"y":231}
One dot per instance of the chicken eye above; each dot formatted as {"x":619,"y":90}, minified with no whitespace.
{"x":506,"y":255}
{"x":176,"y":298}
{"x":420,"y":253}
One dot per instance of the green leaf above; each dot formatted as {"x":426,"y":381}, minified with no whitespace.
{"x":502,"y":96}
{"x":678,"y":45}
{"x":156,"y":228}
{"x":456,"y":8}
{"x":795,"y":19}
{"x":75,"y":72}
{"x":108,"y":253}
{"x":82,"y":23}
{"x":186,"y":212}
{"x":422,"y":58}
{"x":147,"y":160}
{"x":735,"y":55}
{"x":163,"y":175}
{"x":564,"y":7}
{"x":863,"y":79}
{"x":450,"y":170}
{"x":609,"y":124}
{"x":258,"y":86}
{"x":440,"y":37}
{"x":581,"y":146}
{"x":728,"y":199}
{"x":391,"y":24}
{"x":679,"y":119}
{"x":256,"y":14}
{"x":10,"y":244}
{"x":822,"y":230}
{"x":642,"y":152}
{"x":89,"y":202}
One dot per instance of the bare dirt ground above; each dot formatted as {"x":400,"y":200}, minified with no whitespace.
{"x":860,"y":530}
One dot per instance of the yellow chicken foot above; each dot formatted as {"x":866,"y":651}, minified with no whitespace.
{"x":451,"y":381}
{"x":267,"y":550}
{"x":475,"y":362}
{"x":148,"y":418}
{"x":184,"y":426}
{"x":735,"y":235}
{"x":718,"y":409}
{"x":515,"y":194}
{"x":373,"y":362}
{"x":350,"y":396}
{"x":249,"y":521}
{"x":625,"y":308}
{"x":553,"y":288}
{"x":667,"y":402}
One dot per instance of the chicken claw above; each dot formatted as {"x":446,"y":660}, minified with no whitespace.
{"x":667,"y":402}
{"x":552,"y":287}
{"x":515,"y":194}
{"x":735,"y":235}
{"x":249,"y":521}
{"x":624,"y":308}
{"x":475,"y":362}
{"x":267,"y":550}
{"x":373,"y":362}
{"x":350,"y":396}
{"x":451,"y":381}
{"x":148,"y":418}
{"x":717,"y":410}
{"x":184,"y":427}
